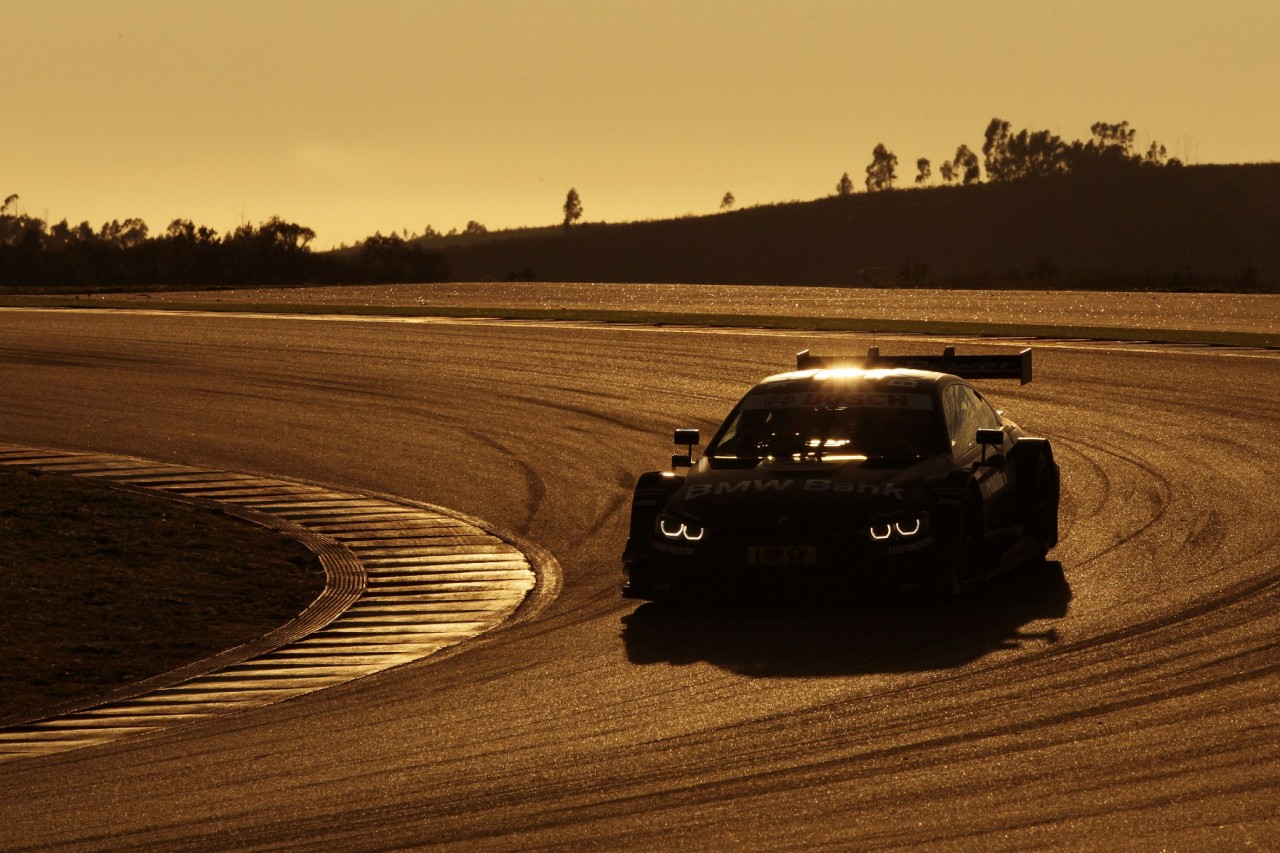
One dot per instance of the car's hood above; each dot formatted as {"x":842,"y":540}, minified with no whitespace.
{"x":712,"y":489}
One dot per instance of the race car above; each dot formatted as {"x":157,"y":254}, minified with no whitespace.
{"x":850,"y":473}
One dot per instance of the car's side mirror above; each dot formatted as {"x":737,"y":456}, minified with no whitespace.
{"x":690,"y":438}
{"x":991,"y":438}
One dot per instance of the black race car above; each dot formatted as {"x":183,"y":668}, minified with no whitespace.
{"x":889,"y":472}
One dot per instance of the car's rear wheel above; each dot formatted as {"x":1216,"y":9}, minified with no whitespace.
{"x":1043,"y":523}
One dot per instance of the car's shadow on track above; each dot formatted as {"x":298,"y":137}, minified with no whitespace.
{"x":804,"y":639}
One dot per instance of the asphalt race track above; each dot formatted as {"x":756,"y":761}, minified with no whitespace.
{"x":1122,"y":698}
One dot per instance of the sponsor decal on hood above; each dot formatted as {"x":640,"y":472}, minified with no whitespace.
{"x":813,"y":484}
{"x":838,"y":399}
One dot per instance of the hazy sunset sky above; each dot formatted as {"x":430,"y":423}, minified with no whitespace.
{"x":356,"y":117}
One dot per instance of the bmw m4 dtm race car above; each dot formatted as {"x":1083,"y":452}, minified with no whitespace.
{"x":888,"y":472}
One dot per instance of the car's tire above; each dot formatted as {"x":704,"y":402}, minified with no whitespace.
{"x":963,"y":549}
{"x":1042,"y":524}
{"x":1038,"y":491}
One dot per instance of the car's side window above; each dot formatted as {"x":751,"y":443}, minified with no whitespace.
{"x":966,"y":414}
{"x":953,"y":406}
{"x":985,"y":413}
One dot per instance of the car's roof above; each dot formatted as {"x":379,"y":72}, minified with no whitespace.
{"x":857,"y":374}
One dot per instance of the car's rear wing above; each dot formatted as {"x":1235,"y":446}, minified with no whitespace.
{"x":965,"y":366}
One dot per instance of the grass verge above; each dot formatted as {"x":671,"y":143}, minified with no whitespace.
{"x":101,"y":586}
{"x":1205,"y":337}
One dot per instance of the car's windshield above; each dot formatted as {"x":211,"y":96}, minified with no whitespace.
{"x":830,"y":430}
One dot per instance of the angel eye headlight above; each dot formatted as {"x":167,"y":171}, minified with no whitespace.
{"x":674,"y":528}
{"x":904,"y":528}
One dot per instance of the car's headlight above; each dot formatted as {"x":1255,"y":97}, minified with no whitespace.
{"x":680,"y":529}
{"x":902,"y":528}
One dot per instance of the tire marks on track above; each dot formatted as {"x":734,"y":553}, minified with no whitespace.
{"x":403,"y":581}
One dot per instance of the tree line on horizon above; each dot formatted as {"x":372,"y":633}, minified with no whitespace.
{"x":1009,"y":156}
{"x":123,"y":254}
{"x":1006,"y":156}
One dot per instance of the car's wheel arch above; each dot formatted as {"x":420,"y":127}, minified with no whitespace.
{"x":1038,"y":488}
{"x":649,"y":496}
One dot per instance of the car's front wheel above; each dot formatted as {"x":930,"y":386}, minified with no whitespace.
{"x":963,"y":553}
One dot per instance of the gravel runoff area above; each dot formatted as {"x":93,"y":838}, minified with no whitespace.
{"x":1225,"y":312}
{"x":101,"y":586}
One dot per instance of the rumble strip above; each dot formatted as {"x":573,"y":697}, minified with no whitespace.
{"x":402,"y":581}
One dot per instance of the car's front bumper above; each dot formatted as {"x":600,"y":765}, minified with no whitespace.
{"x":898,"y":567}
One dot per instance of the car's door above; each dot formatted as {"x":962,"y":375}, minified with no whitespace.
{"x":966,"y":413}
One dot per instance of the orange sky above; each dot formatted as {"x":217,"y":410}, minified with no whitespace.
{"x":382,"y":115}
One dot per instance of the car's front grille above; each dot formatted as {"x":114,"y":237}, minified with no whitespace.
{"x":786,"y":546}
{"x":784,"y":529}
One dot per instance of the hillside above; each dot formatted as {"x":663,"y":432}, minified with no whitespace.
{"x":1191,"y":228}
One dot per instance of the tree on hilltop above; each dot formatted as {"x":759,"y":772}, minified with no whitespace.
{"x":924,"y":170}
{"x":1112,"y":141}
{"x":845,"y":185}
{"x":728,"y":202}
{"x":288,"y":236}
{"x":1010,"y":156}
{"x":186,"y":231}
{"x":995,"y":150}
{"x":882,"y":170}
{"x":572,"y":208}
{"x":1158,"y":155}
{"x":965,"y":165}
{"x":124,"y":235}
